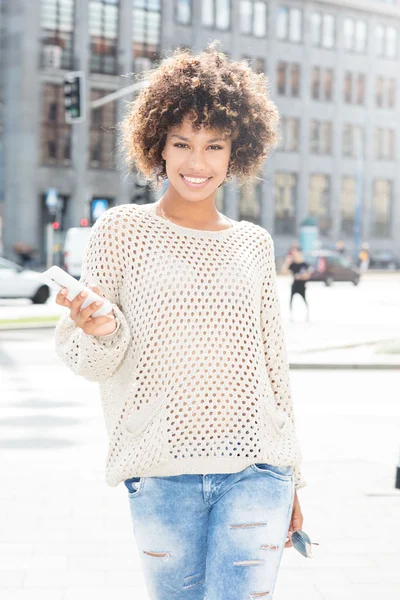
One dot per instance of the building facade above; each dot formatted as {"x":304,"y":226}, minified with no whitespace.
{"x":333,"y":70}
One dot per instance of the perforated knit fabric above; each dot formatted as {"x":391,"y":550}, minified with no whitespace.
{"x":195,"y":378}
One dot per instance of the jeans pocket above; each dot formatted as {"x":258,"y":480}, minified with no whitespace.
{"x":134,"y":486}
{"x":284,"y":473}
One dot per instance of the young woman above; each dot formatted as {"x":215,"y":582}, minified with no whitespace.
{"x":191,"y":361}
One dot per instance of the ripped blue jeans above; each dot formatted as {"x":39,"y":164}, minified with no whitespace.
{"x":213,"y":537}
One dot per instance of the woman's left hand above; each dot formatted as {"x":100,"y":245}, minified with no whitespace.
{"x":296,"y":520}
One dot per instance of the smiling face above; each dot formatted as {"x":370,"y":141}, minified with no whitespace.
{"x":196,"y":162}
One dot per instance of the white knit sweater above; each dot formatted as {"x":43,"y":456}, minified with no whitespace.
{"x":195,"y":378}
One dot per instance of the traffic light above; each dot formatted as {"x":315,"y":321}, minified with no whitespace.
{"x":74,"y":97}
{"x":84,"y":222}
{"x":55,"y":225}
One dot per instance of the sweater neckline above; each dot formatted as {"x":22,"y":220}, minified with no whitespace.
{"x":199,"y":233}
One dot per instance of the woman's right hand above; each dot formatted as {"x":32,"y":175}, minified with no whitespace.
{"x":97,"y":326}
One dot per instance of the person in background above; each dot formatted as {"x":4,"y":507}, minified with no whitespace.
{"x":25,"y":253}
{"x":340,"y":247}
{"x":363,"y":257}
{"x":293,"y":246}
{"x":301,"y":273}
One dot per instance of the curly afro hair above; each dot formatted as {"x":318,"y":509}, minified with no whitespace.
{"x":216,"y":93}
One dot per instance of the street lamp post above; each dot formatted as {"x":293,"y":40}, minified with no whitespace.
{"x":358,"y":214}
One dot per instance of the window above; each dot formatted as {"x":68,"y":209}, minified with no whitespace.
{"x":253,"y":18}
{"x":384,"y":144}
{"x":281,"y":78}
{"x":285,"y":195}
{"x":360,"y":42}
{"x":289,"y":24}
{"x":289,"y":134}
{"x":57,"y":25}
{"x":385,"y":92}
{"x":295,"y":81}
{"x":380,"y":40}
{"x":320,"y":137}
{"x":102,"y":133}
{"x":391,"y":42}
{"x":386,"y":41}
{"x":379,"y":91}
{"x":316,"y":28}
{"x":348,"y":87}
{"x":183,"y":12}
{"x":328,"y":31}
{"x":315,"y":83}
{"x":328,"y":85}
{"x":288,"y":79}
{"x":382,"y":208}
{"x":354,"y":88}
{"x":355,"y":35}
{"x":319,"y":201}
{"x":348,"y":34}
{"x":216,"y":14}
{"x":360,"y":92}
{"x":322,"y":84}
{"x":353,"y":141}
{"x":391,"y":93}
{"x":323,"y":30}
{"x":348,"y":198}
{"x":146,"y":31}
{"x":55,"y":133}
{"x":250,"y":201}
{"x":103,"y":30}
{"x":256,"y":63}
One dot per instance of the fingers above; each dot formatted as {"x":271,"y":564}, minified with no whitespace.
{"x":83,"y":317}
{"x":289,"y":542}
{"x":95,"y":289}
{"x":62,"y":299}
{"x":86,"y":313}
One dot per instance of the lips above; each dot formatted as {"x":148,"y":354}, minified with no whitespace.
{"x":195,"y":185}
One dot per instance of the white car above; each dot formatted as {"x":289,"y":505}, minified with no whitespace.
{"x":17,"y":282}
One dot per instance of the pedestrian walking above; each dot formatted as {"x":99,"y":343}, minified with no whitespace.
{"x":363,"y":258}
{"x":191,"y":361}
{"x":25,"y":253}
{"x":340,"y":247}
{"x":301,"y":273}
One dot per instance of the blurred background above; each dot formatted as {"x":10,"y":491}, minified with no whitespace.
{"x":332,"y":188}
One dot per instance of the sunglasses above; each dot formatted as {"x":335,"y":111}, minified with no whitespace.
{"x":302,"y":543}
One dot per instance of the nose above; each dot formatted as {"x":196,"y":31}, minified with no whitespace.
{"x":196,"y":161}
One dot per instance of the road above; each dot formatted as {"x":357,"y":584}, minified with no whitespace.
{"x":64,"y":532}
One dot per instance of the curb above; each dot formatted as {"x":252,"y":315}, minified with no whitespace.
{"x":39,"y":325}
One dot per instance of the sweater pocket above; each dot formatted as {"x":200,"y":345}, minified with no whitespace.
{"x":140,"y":443}
{"x":279,"y":420}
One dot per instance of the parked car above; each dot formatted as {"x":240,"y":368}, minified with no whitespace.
{"x":76,"y":239}
{"x":17,"y":282}
{"x":383,"y":259}
{"x":329,"y":266}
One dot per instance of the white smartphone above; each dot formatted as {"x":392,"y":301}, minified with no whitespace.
{"x":57,"y":279}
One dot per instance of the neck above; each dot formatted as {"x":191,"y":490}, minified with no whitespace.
{"x":198,"y":213}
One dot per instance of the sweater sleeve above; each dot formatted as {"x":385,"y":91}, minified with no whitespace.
{"x":275,"y":349}
{"x":97,"y":358}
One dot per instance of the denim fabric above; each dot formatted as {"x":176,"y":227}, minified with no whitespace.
{"x":213,"y":537}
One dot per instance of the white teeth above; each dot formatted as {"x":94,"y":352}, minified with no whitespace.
{"x":193,"y":180}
